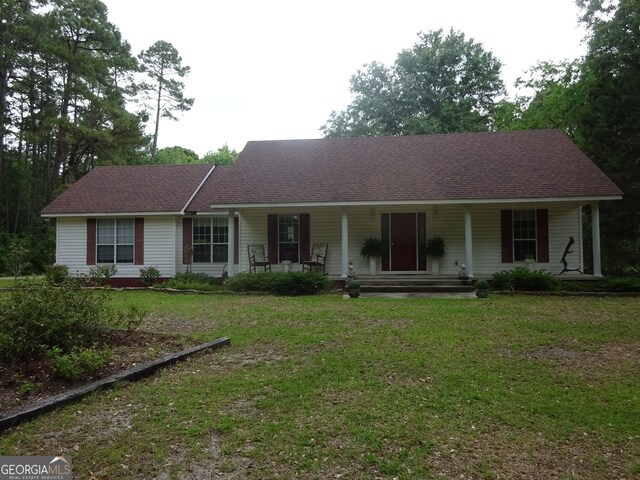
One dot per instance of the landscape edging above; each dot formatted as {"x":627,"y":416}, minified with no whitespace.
{"x":132,"y":374}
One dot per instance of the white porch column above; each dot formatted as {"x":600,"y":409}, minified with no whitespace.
{"x":345,"y":242}
{"x":231,"y":246}
{"x":595,"y":237}
{"x":468,"y":240}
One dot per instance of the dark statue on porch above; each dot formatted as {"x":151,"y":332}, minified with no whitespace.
{"x":564,"y":262}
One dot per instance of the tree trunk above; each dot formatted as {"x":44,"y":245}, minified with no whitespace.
{"x":154,"y":146}
{"x":58,"y":159}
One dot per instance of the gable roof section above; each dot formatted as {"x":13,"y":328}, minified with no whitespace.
{"x":131,"y":189}
{"x":538,"y":164}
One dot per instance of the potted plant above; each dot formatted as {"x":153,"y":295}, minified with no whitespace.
{"x":436,"y":250}
{"x":482,"y":289}
{"x":371,"y":249}
{"x":353,"y":288}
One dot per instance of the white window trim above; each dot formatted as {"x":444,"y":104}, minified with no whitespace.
{"x":115,"y":243}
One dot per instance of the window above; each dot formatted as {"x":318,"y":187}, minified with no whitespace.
{"x":524,"y":235}
{"x":288,"y":238}
{"x":210,"y":240}
{"x":114,"y":240}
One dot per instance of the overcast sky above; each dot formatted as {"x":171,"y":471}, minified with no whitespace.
{"x":273,"y":70}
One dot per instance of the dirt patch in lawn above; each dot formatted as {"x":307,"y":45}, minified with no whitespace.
{"x":31,"y":381}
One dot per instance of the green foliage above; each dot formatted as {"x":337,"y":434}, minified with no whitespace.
{"x":162,"y":64}
{"x":618,"y":284}
{"x":70,"y":366}
{"x":17,"y":259}
{"x":149,"y":275}
{"x":280,"y":283}
{"x":39,"y":317}
{"x":193,"y":281}
{"x":522,"y":279}
{"x":371,"y":248}
{"x":609,"y":120}
{"x":130,"y":318}
{"x":27,"y":387}
{"x":353,"y":286}
{"x":436,"y":247}
{"x":100,"y":274}
{"x":176,"y":155}
{"x":56,"y":274}
{"x":444,"y":84}
{"x":482,"y":284}
{"x":222,"y":156}
{"x":550,"y":99}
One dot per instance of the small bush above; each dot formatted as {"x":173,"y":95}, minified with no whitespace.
{"x":353,"y":285}
{"x":193,"y":281}
{"x":39,"y":317}
{"x":71,"y":366}
{"x":131,"y":318}
{"x":279,"y":283}
{"x":56,"y":274}
{"x":482,"y":285}
{"x":149,"y":275}
{"x":521,"y":279}
{"x":100,"y":274}
{"x":618,"y":284}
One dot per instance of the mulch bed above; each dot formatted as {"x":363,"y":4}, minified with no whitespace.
{"x":33,"y":380}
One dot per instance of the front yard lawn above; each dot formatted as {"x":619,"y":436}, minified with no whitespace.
{"x":321,"y":387}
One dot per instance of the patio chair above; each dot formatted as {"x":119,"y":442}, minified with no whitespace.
{"x":317,"y":260}
{"x":257,"y":258}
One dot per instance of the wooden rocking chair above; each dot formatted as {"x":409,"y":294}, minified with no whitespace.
{"x":317,"y":260}
{"x":257,"y":258}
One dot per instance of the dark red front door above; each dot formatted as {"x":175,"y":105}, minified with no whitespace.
{"x":403,"y":242}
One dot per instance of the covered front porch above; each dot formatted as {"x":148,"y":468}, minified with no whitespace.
{"x":478,"y":237}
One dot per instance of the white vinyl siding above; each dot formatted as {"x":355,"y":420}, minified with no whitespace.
{"x":159,"y":245}
{"x":163,"y":238}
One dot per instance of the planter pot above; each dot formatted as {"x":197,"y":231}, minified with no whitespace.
{"x":286,"y":265}
{"x":482,"y":293}
{"x":372,"y":265}
{"x":354,"y":294}
{"x":435,"y":266}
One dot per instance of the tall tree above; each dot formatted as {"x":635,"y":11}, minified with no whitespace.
{"x":223,"y":156}
{"x":610,"y":119}
{"x":87,"y":55}
{"x":445,"y":83}
{"x":160,"y":62}
{"x":176,"y":155}
{"x":549,"y":97}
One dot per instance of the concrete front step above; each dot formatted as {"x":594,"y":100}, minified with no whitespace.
{"x":394,"y":288}
{"x":408,"y":284}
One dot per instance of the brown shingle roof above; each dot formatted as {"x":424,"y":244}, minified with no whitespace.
{"x":535,"y":164}
{"x":131,"y":189}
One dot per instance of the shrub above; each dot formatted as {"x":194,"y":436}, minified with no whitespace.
{"x":56,"y":274}
{"x":100,"y":274}
{"x":279,"y":283}
{"x":482,"y":285}
{"x":193,"y":281}
{"x":39,"y":317}
{"x":17,"y":259}
{"x":72,"y":365}
{"x":618,"y":284}
{"x":149,"y":275}
{"x":131,"y":318}
{"x":521,"y":279}
{"x":353,"y":286}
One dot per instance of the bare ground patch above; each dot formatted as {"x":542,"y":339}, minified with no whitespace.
{"x":32,"y":380}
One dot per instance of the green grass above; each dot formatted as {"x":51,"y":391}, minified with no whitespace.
{"x":321,"y":387}
{"x":6,"y":282}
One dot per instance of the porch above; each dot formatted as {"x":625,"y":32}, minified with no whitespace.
{"x":476,"y":237}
